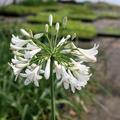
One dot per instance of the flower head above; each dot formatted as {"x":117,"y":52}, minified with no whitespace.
{"x":32,"y":57}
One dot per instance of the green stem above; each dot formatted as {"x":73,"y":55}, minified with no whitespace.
{"x":52,"y":90}
{"x":56,"y":37}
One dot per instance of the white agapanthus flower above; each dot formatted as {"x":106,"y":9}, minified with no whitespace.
{"x":32,"y":74}
{"x":33,"y":59}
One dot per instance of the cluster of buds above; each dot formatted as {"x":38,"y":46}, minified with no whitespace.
{"x":32,"y":57}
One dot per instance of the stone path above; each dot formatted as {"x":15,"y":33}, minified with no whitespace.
{"x":107,"y":107}
{"x":104,"y":23}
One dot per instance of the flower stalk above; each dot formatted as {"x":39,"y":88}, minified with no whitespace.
{"x":52,"y":90}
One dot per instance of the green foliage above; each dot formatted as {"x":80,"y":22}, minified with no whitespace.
{"x":36,"y":2}
{"x":82,"y":30}
{"x":109,"y":15}
{"x":31,"y":2}
{"x":111,"y":31}
{"x":18,"y":10}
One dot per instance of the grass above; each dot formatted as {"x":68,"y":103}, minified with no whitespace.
{"x":86,"y":31}
{"x":112,"y":31}
{"x":18,"y":10}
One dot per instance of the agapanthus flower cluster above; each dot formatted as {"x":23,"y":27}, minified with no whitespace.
{"x":33,"y":54}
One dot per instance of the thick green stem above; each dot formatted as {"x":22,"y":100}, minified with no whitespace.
{"x":52,"y":90}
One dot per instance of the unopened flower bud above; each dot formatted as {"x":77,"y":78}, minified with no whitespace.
{"x":31,"y":33}
{"x":46,"y":28}
{"x":68,"y":36}
{"x":64,"y":22}
{"x":39,"y":35}
{"x":50,"y":19}
{"x":57,"y":26}
{"x":25,"y":33}
{"x":73,"y":36}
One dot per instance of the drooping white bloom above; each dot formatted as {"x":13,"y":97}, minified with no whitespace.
{"x":65,"y":78}
{"x":87,"y":55}
{"x":74,"y":77}
{"x":79,"y":66}
{"x":18,"y":42}
{"x":58,"y":70}
{"x":47,"y":69}
{"x":18,"y":53}
{"x":31,"y":46}
{"x":18,"y":64}
{"x":16,"y":70}
{"x":19,"y":60}
{"x":74,"y":83}
{"x":14,"y":47}
{"x":32,"y":75}
{"x":30,"y":54}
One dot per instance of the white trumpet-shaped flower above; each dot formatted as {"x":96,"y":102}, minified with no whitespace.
{"x":32,"y":74}
{"x":76,"y":77}
{"x":16,"y":70}
{"x":31,"y":46}
{"x":87,"y":55}
{"x":30,"y":54}
{"x":19,"y":60}
{"x":74,"y":83}
{"x":18,"y":64}
{"x":18,"y":42}
{"x":57,"y":70}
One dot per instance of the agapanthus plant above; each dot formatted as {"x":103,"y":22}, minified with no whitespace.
{"x":45,"y":55}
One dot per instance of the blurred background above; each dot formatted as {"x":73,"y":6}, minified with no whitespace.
{"x":94,"y":21}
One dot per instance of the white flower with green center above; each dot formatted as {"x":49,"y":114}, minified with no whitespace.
{"x":67,"y":61}
{"x":44,"y":54}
